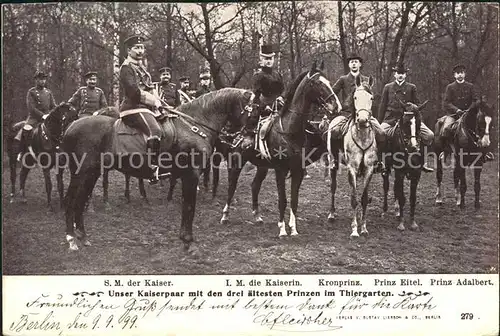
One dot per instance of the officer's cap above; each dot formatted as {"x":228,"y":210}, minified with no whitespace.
{"x":90,"y":74}
{"x":459,"y":68}
{"x":165,"y":70}
{"x":40,"y":75}
{"x":184,"y":79}
{"x":133,"y":40}
{"x":205,"y":73}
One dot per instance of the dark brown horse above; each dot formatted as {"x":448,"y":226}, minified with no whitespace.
{"x":407,"y":158}
{"x":45,"y":139}
{"x":286,"y":142}
{"x":471,"y":138}
{"x":89,"y":140}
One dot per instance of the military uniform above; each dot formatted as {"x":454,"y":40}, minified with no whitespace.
{"x":139,"y":92}
{"x":168,"y":93}
{"x":88,"y":100}
{"x":184,"y":93}
{"x":201,"y":91}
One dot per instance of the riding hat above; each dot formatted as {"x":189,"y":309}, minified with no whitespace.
{"x":400,"y":68}
{"x":90,"y":74}
{"x":266,"y":50}
{"x":166,"y":69}
{"x":354,"y":57}
{"x":40,"y":74}
{"x":459,"y":68}
{"x":133,"y":40}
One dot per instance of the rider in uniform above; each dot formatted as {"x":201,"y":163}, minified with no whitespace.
{"x":90,"y":98}
{"x":268,"y":88}
{"x":167,"y":90}
{"x":39,"y":101}
{"x":344,"y":88}
{"x":459,"y":97}
{"x":139,"y":94}
{"x":184,"y":90}
{"x":204,"y":83}
{"x":390,"y":109}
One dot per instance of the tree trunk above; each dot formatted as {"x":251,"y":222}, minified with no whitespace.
{"x":342,"y":37}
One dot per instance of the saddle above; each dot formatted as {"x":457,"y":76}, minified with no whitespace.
{"x":128,"y":140}
{"x":263,"y":129}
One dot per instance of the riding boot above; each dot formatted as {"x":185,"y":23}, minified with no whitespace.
{"x":153,"y":149}
{"x":425,"y":167}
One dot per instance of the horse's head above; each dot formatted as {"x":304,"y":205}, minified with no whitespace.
{"x":363,"y":99}
{"x":483,"y":124}
{"x":410,"y":123}
{"x":316,"y":89}
{"x":58,"y":120}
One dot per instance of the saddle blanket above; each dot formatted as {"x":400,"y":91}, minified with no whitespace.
{"x":261,"y":145}
{"x":128,"y":140}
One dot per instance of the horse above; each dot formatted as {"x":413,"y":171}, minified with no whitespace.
{"x":285,"y":140}
{"x":359,"y":154}
{"x":196,"y":128}
{"x":407,"y":159}
{"x":43,"y":147}
{"x":471,"y":137}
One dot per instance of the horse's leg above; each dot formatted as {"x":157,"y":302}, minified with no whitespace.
{"x":477,"y":186}
{"x":456,"y":180}
{"x":13,"y":176}
{"x":439,"y":179}
{"x":48,"y":188}
{"x":84,"y":192}
{"x":463,"y":187}
{"x":216,"y":175}
{"x":142,"y":190}
{"x":105,"y":187}
{"x":233,"y":175}
{"x":385,"y":183}
{"x":365,"y":200}
{"x":415,"y":178}
{"x":127,"y":188}
{"x":333,"y":190}
{"x":256,"y":185}
{"x":23,"y":175}
{"x":60,"y":186}
{"x":354,"y":202}
{"x":70,"y":203}
{"x":297,"y":177}
{"x":280,"y":183}
{"x":399,"y":194}
{"x":190,"y":180}
{"x":173,"y":183}
{"x":206,"y":176}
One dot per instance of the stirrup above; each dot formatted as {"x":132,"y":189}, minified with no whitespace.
{"x":489,"y":156}
{"x":427,"y":169}
{"x":155,"y":179}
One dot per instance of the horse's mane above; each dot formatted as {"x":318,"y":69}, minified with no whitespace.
{"x":211,"y":101}
{"x":290,"y":92}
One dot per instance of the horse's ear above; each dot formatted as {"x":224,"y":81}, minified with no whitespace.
{"x":322,"y":65}
{"x":358,"y":81}
{"x":313,"y":67}
{"x":370,"y":81}
{"x":423,"y":105}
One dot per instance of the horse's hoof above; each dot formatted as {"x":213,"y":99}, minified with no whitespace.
{"x":383,"y":214}
{"x":439,"y":202}
{"x":282,"y":236}
{"x":86,"y":242}
{"x":364,"y":232}
{"x":354,"y":235}
{"x":331,"y":217}
{"x":73,"y":246}
{"x":50,"y":210}
{"x":224,"y":221}
{"x":23,"y":200}
{"x":414,"y":226}
{"x":401,"y":227}
{"x":259,"y":220}
{"x":107,"y":206}
{"x":370,"y":200}
{"x":477,"y":205}
{"x":294,"y":233}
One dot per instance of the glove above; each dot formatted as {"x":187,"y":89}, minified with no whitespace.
{"x":45,"y":116}
{"x":460,"y":112}
{"x":268,"y":109}
{"x":280,"y":100}
{"x":95,"y":113}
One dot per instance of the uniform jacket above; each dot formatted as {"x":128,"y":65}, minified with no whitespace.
{"x":344,"y":88}
{"x":185,"y":97}
{"x":87,"y":100}
{"x":39,"y":102}
{"x":460,"y":96}
{"x":201,"y":91}
{"x":267,"y":85}
{"x":168,"y":93}
{"x":390,"y":109}
{"x":135,"y":80}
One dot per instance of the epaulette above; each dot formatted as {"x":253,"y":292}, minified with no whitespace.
{"x":172,"y":85}
{"x":98,"y":89}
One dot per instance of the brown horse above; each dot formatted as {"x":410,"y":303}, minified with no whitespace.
{"x":471,"y":138}
{"x":199,"y":122}
{"x":285,"y":141}
{"x":43,"y":147}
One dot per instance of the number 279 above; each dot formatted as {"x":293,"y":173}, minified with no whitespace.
{"x":466,"y":316}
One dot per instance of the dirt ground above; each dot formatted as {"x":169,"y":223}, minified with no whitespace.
{"x":139,"y":238}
